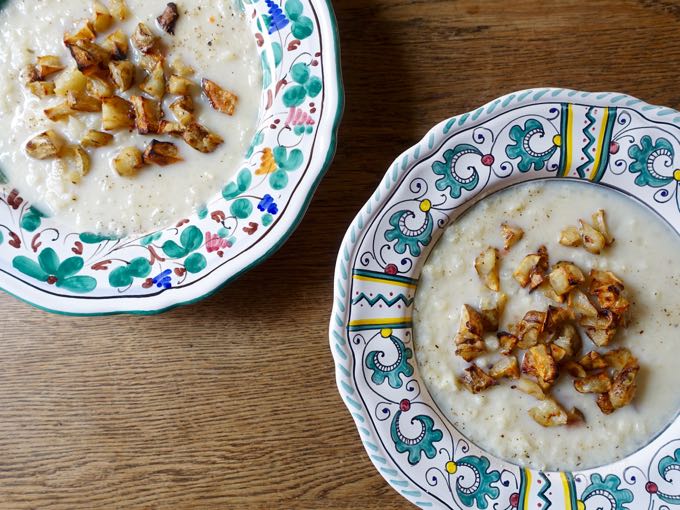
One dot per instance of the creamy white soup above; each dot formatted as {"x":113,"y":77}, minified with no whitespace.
{"x":643,"y":255}
{"x":210,"y":36}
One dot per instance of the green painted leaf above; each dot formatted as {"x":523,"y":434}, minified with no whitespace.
{"x":49,"y":261}
{"x":222,"y":232}
{"x":191,"y":238}
{"x":31,"y":219}
{"x":69,"y":267}
{"x":241,"y":208}
{"x":279,"y":179}
{"x":202,"y":212}
{"x":195,"y":263}
{"x":244,"y":179}
{"x":293,"y":9}
{"x":173,"y":250}
{"x":230,"y":191}
{"x":139,"y":267}
{"x":302,"y":28}
{"x":150,"y":239}
{"x":300,"y":73}
{"x":294,"y":96}
{"x":257,"y":140}
{"x":314,"y":86}
{"x":92,"y":238}
{"x":120,"y":277}
{"x":278,"y":53}
{"x":267,"y":219}
{"x":29,"y":267}
{"x":78,"y":284}
{"x":287,"y":161}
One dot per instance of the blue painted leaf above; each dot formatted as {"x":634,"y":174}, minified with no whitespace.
{"x":300,"y":73}
{"x":241,"y":208}
{"x":302,"y":28}
{"x":173,"y":250}
{"x":191,"y":238}
{"x":244,"y":179}
{"x":293,"y":9}
{"x":29,"y":268}
{"x":294,"y":96}
{"x":195,"y":263}
{"x":287,"y":161}
{"x":120,"y":277}
{"x":78,"y":284}
{"x":314,"y":86}
{"x":49,"y":261}
{"x":139,"y":267}
{"x":69,"y":267}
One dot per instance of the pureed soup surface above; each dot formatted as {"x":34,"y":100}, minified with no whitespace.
{"x":644,"y":256}
{"x":210,"y":36}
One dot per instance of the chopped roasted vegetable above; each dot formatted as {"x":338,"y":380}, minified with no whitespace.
{"x":593,"y":361}
{"x":574,"y":369}
{"x":96,"y":139}
{"x":154,"y":84}
{"x":84,"y":33}
{"x":530,"y":388}
{"x":549,"y":414}
{"x":122,"y":74}
{"x":486,"y":265}
{"x":491,"y":313}
{"x":41,"y":89}
{"x":147,"y":114}
{"x":83,"y":103}
{"x":200,"y":138}
{"x":77,"y":163}
{"x":117,"y":113}
{"x":624,"y":386}
{"x":565,"y":276}
{"x":569,"y":340}
{"x":619,"y":358}
{"x":592,"y":239}
{"x":45,"y":145}
{"x":180,"y":68}
{"x":531,"y":271}
{"x":119,"y":9}
{"x":506,"y":367}
{"x":507,"y":342}
{"x":530,"y":328}
{"x":58,"y":112}
{"x":116,"y":43}
{"x":90,"y":57}
{"x":600,"y":329}
{"x":579,"y":303}
{"x":99,"y":88}
{"x":182,"y":108}
{"x":604,"y":403}
{"x":70,"y":81}
{"x":220,"y":99}
{"x":144,"y":39}
{"x":469,"y":340}
{"x":511,"y":234}
{"x":539,"y":362}
{"x":102,"y":18}
{"x":161,"y":153}
{"x":596,"y":383}
{"x":47,"y":65}
{"x":600,"y":224}
{"x":179,"y":85}
{"x":570,"y":236}
{"x":475,"y":379}
{"x":168,"y":19}
{"x":128,"y":162}
{"x":170,"y":128}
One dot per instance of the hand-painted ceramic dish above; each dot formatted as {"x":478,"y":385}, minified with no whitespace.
{"x":406,"y":436}
{"x":44,"y":263}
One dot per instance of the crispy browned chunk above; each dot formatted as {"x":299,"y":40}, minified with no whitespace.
{"x":470,"y":349}
{"x":154,"y":84}
{"x":469,"y":340}
{"x":102,"y":18}
{"x":569,"y":340}
{"x":41,"y":89}
{"x":600,"y":224}
{"x":570,"y":236}
{"x":98,"y":87}
{"x":29,"y":74}
{"x":531,"y":271}
{"x":122,"y":74}
{"x":96,"y":139}
{"x":557,"y":352}
{"x":200,"y":138}
{"x":555,"y":317}
{"x":506,"y":367}
{"x":147,"y":114}
{"x":530,"y":388}
{"x":76,"y":162}
{"x":220,"y":99}
{"x":511,"y":235}
{"x":58,"y":112}
{"x":601,"y":329}
{"x":604,"y":403}
{"x":83,"y":103}
{"x":180,"y":68}
{"x":507,"y":342}
{"x":182,"y":108}
{"x":71,"y":80}
{"x":593,"y":240}
{"x":116,"y":43}
{"x":574,"y":369}
{"x":579,"y":302}
{"x":84,"y":33}
{"x":47,"y":65}
{"x":491,"y":313}
{"x":117,"y":113}
{"x":486,"y":265}
{"x":550,"y":293}
{"x":475,"y":379}
{"x":119,"y":9}
{"x":168,"y":19}
{"x":575,"y":416}
{"x":144,"y":39}
{"x":170,"y":128}
{"x":609,"y":290}
{"x":91,"y":59}
{"x":596,"y":383}
{"x":45,"y":145}
{"x":549,"y":414}
{"x":624,"y":386}
{"x":128,"y":162}
{"x":530,"y":328}
{"x":619,"y":358}
{"x":161,"y":153}
{"x":539,"y":362}
{"x":565,"y":276}
{"x":179,"y":85}
{"x":593,"y":361}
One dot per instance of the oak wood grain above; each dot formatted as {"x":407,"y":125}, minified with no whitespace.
{"x":231,"y":403}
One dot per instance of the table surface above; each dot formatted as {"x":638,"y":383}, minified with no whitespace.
{"x":231,"y":403}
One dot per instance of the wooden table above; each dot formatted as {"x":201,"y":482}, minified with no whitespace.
{"x":231,"y":403}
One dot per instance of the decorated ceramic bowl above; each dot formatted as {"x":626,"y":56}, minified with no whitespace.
{"x":45,"y":263}
{"x":407,"y":437}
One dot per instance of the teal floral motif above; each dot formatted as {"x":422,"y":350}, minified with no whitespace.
{"x":285,"y":162}
{"x":61,"y":274}
{"x":31,"y":219}
{"x":241,"y":185}
{"x":608,"y":488}
{"x":412,"y":239}
{"x":450,"y":179}
{"x":147,"y":240}
{"x":190,"y":240}
{"x":644,"y":156}
{"x":302,"y":27}
{"x":482,"y":487}
{"x":92,"y":238}
{"x":393,"y":371}
{"x":123,"y":276}
{"x":522,"y":147}
{"x":423,"y":443}
{"x":306,"y":85}
{"x":666,"y":465}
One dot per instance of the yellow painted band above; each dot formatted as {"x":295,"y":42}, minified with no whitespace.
{"x":379,"y":322}
{"x":600,"y":139}
{"x":381,"y":280}
{"x":567,"y":496}
{"x":527,"y":476}
{"x":568,"y":146}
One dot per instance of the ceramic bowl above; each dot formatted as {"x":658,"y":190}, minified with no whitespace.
{"x":579,"y":135}
{"x":48,"y":265}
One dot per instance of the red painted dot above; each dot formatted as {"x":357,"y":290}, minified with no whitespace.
{"x":279,"y":120}
{"x":613,"y":148}
{"x":651,"y":487}
{"x":391,"y":269}
{"x":52,"y":280}
{"x":487,"y":160}
{"x":514,"y":499}
{"x":399,"y":306}
{"x":273,"y":126}
{"x":405,"y":405}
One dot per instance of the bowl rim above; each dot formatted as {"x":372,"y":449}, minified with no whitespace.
{"x":349,"y":385}
{"x":299,"y":204}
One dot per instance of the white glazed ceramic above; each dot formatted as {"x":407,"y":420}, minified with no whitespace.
{"x":611,"y":139}
{"x":48,"y":265}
